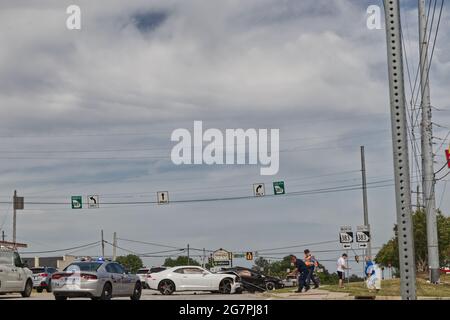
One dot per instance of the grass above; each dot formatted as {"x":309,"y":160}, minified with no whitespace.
{"x":388,"y":288}
{"x":392,"y":288}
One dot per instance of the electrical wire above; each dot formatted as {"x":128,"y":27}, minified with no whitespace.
{"x":60,"y":250}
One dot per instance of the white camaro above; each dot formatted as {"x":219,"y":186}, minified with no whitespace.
{"x":192,"y":278}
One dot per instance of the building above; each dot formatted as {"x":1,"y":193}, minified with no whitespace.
{"x":55,"y":262}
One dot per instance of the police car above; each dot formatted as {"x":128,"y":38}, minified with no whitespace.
{"x":97,"y":279}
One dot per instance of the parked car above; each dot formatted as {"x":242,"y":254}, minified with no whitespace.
{"x":14,"y":276}
{"x":95,"y":279}
{"x":42,"y":278}
{"x":253,"y":280}
{"x":445,"y":270}
{"x":143,"y":273}
{"x":290,"y":281}
{"x":192,"y":278}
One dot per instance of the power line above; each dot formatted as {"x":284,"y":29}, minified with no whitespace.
{"x":60,"y":250}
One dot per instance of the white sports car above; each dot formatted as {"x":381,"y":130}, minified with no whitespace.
{"x":192,"y":278}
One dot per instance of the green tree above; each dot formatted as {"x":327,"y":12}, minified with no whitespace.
{"x":261,"y":264}
{"x":131,"y":262}
{"x":180,"y":261}
{"x":389,"y":252}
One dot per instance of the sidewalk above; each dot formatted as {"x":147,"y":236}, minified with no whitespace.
{"x":313,"y":294}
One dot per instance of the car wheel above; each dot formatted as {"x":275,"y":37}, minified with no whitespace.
{"x":28,"y":288}
{"x":107,"y":292}
{"x":136,"y":292}
{"x":166,"y":287}
{"x":225,"y":286}
{"x":49,"y":287}
{"x":60,"y":298}
{"x":39,"y":290}
{"x":270,"y":286}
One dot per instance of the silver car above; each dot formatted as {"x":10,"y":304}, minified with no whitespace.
{"x":98,"y":280}
{"x":42,"y":277}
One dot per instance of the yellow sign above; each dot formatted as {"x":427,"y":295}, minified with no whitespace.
{"x":249,"y":255}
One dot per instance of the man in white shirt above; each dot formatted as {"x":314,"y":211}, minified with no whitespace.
{"x":341,"y":267}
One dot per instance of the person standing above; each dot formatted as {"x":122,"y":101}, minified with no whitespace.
{"x":302,"y":272}
{"x":373,"y":277}
{"x":311,"y":264}
{"x":341,"y":267}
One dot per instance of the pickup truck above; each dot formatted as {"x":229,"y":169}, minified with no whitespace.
{"x":14,"y":276}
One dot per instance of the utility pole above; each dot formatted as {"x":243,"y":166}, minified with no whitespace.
{"x":103,"y":246}
{"x":428,"y":181}
{"x":400,"y":149}
{"x":188,"y":256}
{"x":203,"y":258}
{"x":366,"y":210}
{"x":3,"y":235}
{"x":114,"y":245}
{"x":418,"y":197}
{"x":14,"y":217}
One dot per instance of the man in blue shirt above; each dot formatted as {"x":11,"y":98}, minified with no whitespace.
{"x":302,"y":271}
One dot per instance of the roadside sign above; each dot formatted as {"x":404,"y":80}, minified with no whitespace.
{"x":222,"y":257}
{"x":447,"y":156}
{"x":362,"y":245}
{"x":362,"y":234}
{"x":346,"y":246}
{"x":18,"y":203}
{"x":238,"y":255}
{"x":278,"y":188}
{"x":77,"y":202}
{"x":346,"y":235}
{"x":163,"y":197}
{"x":259,"y":189}
{"x":92,"y":202}
{"x":249,"y":256}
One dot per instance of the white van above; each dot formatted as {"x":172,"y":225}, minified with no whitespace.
{"x":14,"y":277}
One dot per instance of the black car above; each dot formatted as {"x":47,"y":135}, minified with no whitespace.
{"x":253,"y":280}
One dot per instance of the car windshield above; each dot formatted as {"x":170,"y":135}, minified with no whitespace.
{"x":84,"y":266}
{"x":37,"y":270}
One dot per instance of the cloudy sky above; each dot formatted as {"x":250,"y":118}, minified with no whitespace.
{"x":91,"y":112}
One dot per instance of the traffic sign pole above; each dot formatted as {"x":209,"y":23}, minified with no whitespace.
{"x":400,"y":149}
{"x":365,"y":206}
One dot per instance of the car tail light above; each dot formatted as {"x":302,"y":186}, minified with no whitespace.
{"x":43,"y":275}
{"x":85,"y":276}
{"x":57,"y":276}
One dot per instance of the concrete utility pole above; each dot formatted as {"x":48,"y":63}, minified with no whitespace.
{"x":114,"y":245}
{"x":103,"y":245}
{"x":14,"y":216}
{"x":203,"y":258}
{"x":366,"y":210}
{"x":400,"y":150}
{"x":428,"y":181}
{"x":188,"y":256}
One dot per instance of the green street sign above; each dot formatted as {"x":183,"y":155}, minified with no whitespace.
{"x":278,"y":187}
{"x":77,"y":202}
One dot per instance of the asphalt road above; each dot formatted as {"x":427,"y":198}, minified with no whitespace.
{"x":153,"y":295}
